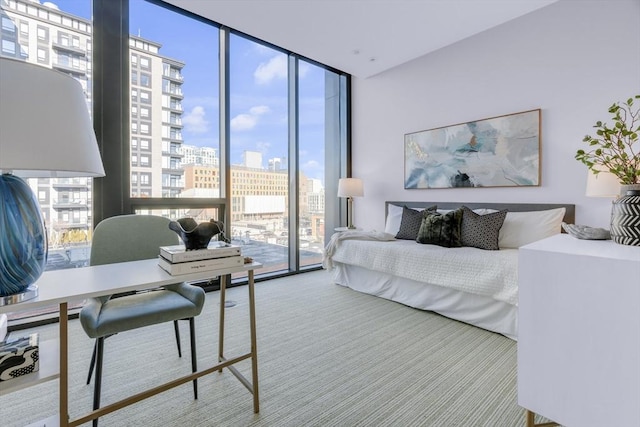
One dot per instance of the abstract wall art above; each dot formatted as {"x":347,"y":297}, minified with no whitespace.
{"x":501,"y":151}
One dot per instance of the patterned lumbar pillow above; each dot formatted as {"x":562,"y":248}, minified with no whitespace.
{"x":441,"y":229}
{"x":410,"y":223}
{"x":481,"y":231}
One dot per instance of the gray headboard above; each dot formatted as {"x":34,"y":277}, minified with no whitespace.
{"x":569,"y":216}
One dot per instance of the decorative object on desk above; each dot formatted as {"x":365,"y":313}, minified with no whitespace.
{"x":615,"y":149}
{"x":194,"y":235}
{"x":625,"y":219}
{"x":61,"y":145}
{"x":585,"y":232}
{"x":178,"y":253}
{"x":19,"y":356}
{"x":499,"y":151}
{"x":350,"y":188}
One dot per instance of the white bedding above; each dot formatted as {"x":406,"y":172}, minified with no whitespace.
{"x":491,"y":274}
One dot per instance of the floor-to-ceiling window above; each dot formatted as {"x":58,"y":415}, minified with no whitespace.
{"x":193,"y":119}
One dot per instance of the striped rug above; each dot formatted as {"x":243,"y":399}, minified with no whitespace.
{"x":328,"y":356}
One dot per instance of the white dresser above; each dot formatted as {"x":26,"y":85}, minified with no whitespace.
{"x":579,"y":332}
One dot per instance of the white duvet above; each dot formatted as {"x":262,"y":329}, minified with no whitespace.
{"x":489,"y":273}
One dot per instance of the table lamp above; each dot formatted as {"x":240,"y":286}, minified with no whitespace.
{"x":45,"y":131}
{"x":602,"y":184}
{"x":350,"y":188}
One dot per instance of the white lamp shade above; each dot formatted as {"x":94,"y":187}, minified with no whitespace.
{"x":350,"y":187}
{"x":45,"y":127}
{"x":604,"y":184}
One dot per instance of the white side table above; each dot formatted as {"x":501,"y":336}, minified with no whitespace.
{"x":341,"y":229}
{"x":579,"y":332}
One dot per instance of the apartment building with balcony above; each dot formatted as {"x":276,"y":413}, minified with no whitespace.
{"x":156,"y":121}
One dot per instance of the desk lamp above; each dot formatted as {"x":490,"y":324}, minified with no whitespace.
{"x":45,"y":131}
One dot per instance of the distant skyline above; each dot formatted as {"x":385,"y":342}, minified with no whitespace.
{"x":258,"y":82}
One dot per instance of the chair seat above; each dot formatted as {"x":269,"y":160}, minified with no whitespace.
{"x":100,"y":319}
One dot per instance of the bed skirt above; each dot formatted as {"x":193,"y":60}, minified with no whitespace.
{"x":477,"y":310}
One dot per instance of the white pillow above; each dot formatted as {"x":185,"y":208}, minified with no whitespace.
{"x":394,"y":218}
{"x":522,"y":228}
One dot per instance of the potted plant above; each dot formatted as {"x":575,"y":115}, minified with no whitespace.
{"x":615,"y":148}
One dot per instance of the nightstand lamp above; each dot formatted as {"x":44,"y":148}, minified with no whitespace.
{"x":45,"y":131}
{"x":604,"y":184}
{"x":350,"y":188}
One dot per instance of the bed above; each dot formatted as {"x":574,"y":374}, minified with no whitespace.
{"x":469,"y":284}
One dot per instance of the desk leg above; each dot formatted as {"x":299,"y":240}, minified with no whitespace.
{"x":223,"y":287}
{"x":64,"y":377}
{"x":531,"y":421}
{"x":254,"y":345}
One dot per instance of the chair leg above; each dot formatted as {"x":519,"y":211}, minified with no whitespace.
{"x":98,"y":381}
{"x":93,"y":361}
{"x":194,"y":360}
{"x":177,"y":330}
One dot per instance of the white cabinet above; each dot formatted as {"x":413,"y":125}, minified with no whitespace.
{"x":579,"y":332}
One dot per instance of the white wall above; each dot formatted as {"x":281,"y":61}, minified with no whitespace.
{"x":572,"y":59}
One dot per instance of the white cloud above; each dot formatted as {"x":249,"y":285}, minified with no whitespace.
{"x":247,"y":121}
{"x":259,"y":110}
{"x":275,"y":68}
{"x":243,"y":122}
{"x":311,"y":165}
{"x":263,"y":147}
{"x":195,"y":121}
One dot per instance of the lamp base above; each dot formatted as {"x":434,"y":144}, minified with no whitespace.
{"x":29,"y":293}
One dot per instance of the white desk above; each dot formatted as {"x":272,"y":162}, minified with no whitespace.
{"x":63,"y":286}
{"x":579,"y":332}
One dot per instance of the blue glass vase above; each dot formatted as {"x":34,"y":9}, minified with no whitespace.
{"x":23,"y":238}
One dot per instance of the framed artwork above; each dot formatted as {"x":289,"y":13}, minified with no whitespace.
{"x":501,"y":151}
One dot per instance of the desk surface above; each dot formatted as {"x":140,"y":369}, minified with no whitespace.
{"x":75,"y":284}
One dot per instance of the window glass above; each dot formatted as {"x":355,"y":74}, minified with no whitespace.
{"x":259,"y":150}
{"x":181,"y":54}
{"x":66,"y":203}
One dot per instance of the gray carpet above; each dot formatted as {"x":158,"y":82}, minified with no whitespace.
{"x":327,"y":356}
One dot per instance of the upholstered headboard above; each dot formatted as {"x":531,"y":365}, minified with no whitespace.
{"x":569,"y":216}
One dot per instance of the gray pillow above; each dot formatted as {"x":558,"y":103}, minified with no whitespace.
{"x":481,"y":231}
{"x":441,"y":229}
{"x":410,"y":222}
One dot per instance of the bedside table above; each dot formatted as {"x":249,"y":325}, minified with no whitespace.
{"x":579,"y":332}
{"x":341,"y":229}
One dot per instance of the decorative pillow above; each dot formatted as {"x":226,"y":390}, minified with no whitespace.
{"x":394,"y":216}
{"x":441,"y":229}
{"x":522,"y":228}
{"x":410,"y":224}
{"x":481,"y":231}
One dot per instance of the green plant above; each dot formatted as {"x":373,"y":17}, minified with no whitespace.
{"x":615,"y":149}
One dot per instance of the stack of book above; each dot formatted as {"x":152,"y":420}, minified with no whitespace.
{"x":218,"y":255}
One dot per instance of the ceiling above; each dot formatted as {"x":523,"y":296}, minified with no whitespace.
{"x":361,"y":37}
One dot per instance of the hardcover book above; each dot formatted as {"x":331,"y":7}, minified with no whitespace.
{"x":200,"y":265}
{"x":177,"y":253}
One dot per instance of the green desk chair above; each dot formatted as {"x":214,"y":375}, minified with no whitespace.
{"x":131,"y":238}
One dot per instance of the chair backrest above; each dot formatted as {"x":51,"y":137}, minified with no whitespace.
{"x":130,"y":238}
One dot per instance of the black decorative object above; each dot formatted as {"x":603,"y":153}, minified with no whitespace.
{"x":625,"y":219}
{"x":194,"y":235}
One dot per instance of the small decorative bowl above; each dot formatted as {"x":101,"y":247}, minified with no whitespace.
{"x":194,"y":235}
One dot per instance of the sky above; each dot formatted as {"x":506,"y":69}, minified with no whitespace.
{"x":258,"y":86}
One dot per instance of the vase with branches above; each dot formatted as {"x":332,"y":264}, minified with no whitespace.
{"x":615,"y":148}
